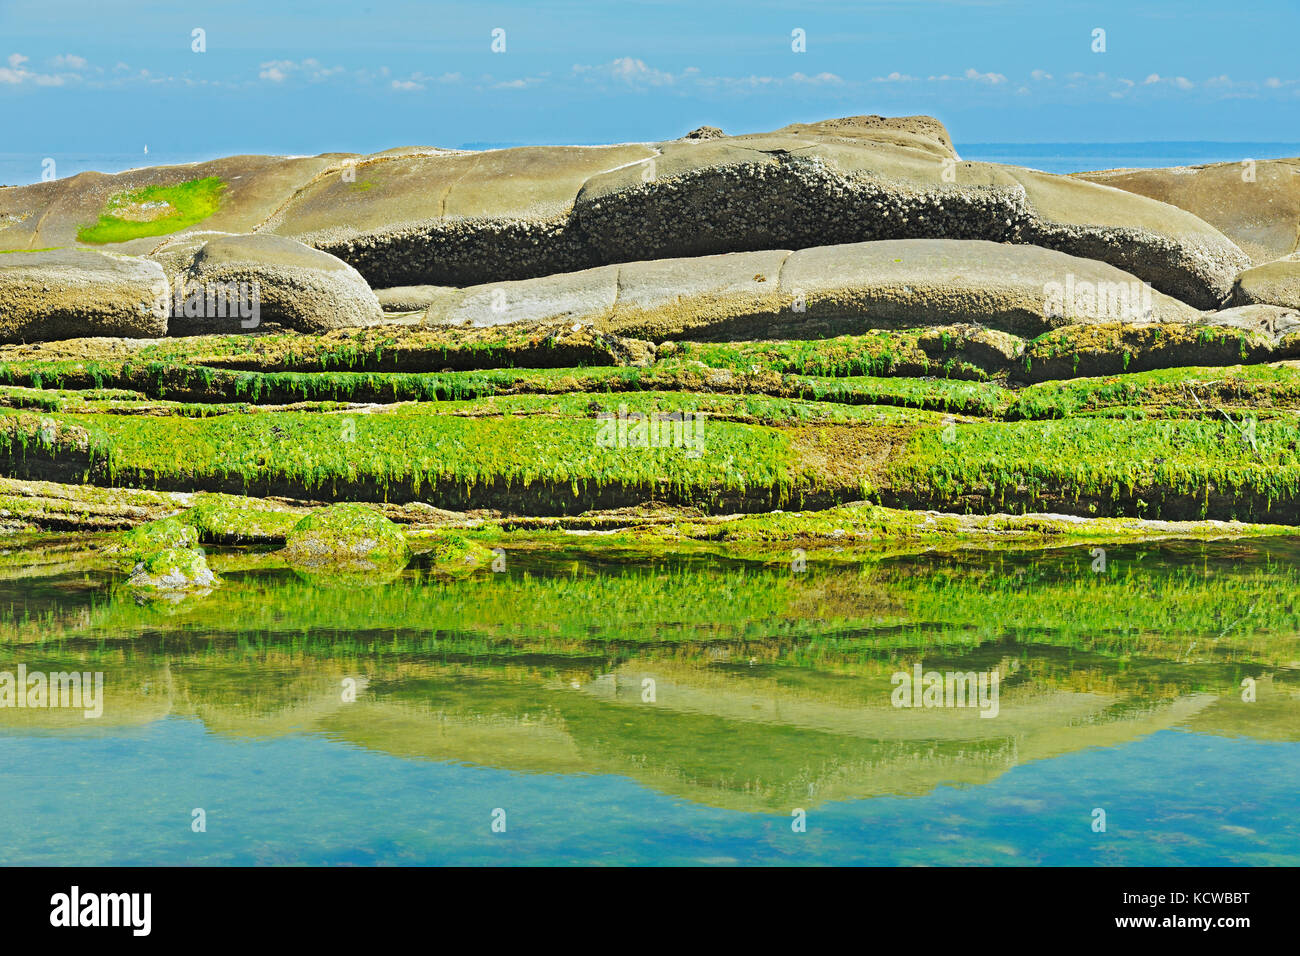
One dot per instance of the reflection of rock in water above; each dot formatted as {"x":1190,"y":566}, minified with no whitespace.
{"x":722,"y":686}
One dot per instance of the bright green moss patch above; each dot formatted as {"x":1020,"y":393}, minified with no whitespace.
{"x":161,"y":379}
{"x":347,"y":416}
{"x":154,"y":211}
{"x":873,"y":353}
{"x":1196,"y":391}
{"x":871,"y":525}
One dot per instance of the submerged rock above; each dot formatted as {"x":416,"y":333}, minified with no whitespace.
{"x":347,"y":535}
{"x":67,"y":293}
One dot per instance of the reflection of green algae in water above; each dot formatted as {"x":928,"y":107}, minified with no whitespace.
{"x":768,"y":690}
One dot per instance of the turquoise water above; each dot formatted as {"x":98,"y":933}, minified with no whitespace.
{"x":524,"y":692}
{"x":1177,"y":799}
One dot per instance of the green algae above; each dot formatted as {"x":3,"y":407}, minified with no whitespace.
{"x":226,"y":520}
{"x":454,"y":553}
{"x":343,"y":534}
{"x":407,"y":447}
{"x":1184,"y":443}
{"x":164,"y":534}
{"x":189,"y":203}
{"x":1147,"y":468}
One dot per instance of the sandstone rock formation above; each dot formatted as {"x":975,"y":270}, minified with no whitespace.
{"x":1273,"y":283}
{"x":408,"y":298}
{"x":827,"y":290}
{"x":1255,"y":204}
{"x":295,"y":285}
{"x":513,"y":214}
{"x":65,"y":293}
{"x":418,"y":215}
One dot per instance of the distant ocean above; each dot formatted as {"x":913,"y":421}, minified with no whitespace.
{"x":18,"y":169}
{"x":1081,"y":157}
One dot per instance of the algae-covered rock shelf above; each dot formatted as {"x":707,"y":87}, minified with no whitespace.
{"x":822,"y":332}
{"x":717,"y":428}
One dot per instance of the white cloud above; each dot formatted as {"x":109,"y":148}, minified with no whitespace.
{"x":277,"y":71}
{"x":421,"y":81}
{"x":971,"y":75}
{"x":627,"y":70}
{"x":827,"y":78}
{"x":16,"y":72}
{"x":978,"y":77}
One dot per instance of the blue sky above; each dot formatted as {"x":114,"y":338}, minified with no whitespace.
{"x":297,"y":77}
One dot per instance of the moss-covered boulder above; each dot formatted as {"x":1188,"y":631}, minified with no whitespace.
{"x":223,"y":519}
{"x":172,"y":569}
{"x":453,"y":553}
{"x":346,"y":535}
{"x":165,"y":534}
